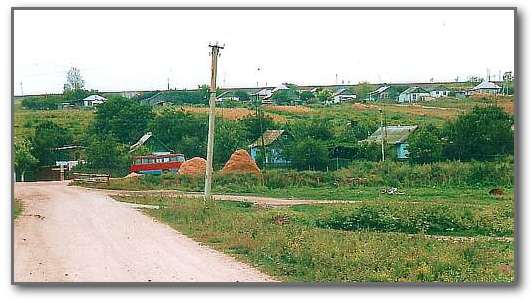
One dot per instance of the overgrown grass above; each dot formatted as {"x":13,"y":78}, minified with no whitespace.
{"x":292,"y":244}
{"x":75,"y":120}
{"x":453,"y":181}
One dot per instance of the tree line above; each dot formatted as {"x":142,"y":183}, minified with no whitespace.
{"x":482,"y":134}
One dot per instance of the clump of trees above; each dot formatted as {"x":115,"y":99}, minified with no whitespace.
{"x":482,"y":134}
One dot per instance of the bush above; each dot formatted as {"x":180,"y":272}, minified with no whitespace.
{"x":443,"y":219}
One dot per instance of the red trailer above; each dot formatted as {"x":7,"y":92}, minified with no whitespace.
{"x":157,"y":163}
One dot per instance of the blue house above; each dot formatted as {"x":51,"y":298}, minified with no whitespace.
{"x":272,"y":141}
{"x":394,"y":135}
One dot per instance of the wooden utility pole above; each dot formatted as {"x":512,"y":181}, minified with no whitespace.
{"x":211,"y":118}
{"x":383,"y":133}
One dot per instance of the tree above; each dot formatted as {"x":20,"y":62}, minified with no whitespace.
{"x":315,"y":128}
{"x":362,"y":90}
{"x":125,"y":119}
{"x":48,"y":136}
{"x":181,"y":131}
{"x":46,"y":102}
{"x":324,"y":95}
{"x":482,"y":134}
{"x":74,"y":80}
{"x":230,"y":136}
{"x":425,"y":145}
{"x":255,"y":125}
{"x":306,"y":95}
{"x":285,"y":96}
{"x":395,"y":91}
{"x":24,"y":159}
{"x":105,"y":154}
{"x":308,"y":154}
{"x":242,"y":95}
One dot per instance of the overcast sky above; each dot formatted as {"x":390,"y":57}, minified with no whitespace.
{"x":140,"y":50}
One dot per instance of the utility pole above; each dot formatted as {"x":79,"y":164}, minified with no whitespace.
{"x":21,"y":89}
{"x":211,"y":118}
{"x":383,"y":133}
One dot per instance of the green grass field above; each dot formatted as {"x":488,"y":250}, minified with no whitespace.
{"x":378,"y":242}
{"x":75,"y":120}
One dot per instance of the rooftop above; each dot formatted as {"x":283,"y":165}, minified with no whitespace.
{"x":394,"y":134}
{"x":269,"y":137}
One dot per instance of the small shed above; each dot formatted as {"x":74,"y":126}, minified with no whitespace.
{"x":413,"y":94}
{"x":273,"y":141}
{"x":394,"y":135}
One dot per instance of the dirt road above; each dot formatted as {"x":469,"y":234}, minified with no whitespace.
{"x":73,"y":234}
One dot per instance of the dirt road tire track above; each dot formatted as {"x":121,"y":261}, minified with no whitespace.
{"x":68,"y":234}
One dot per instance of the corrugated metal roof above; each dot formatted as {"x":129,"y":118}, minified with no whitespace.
{"x":343,"y":91}
{"x":380,"y":90}
{"x":486,"y":85}
{"x":280,"y":87}
{"x":414,"y":89}
{"x":394,"y":134}
{"x":269,"y":137}
{"x":95,"y":97}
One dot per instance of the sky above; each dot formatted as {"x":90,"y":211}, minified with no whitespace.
{"x":143,"y":50}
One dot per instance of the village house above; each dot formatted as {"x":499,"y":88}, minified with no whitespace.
{"x":93,"y":100}
{"x":439,"y":91}
{"x":485,"y":87}
{"x":343,"y":95}
{"x":413,"y":94}
{"x":273,"y":141}
{"x":380,"y":93}
{"x":227,"y":96}
{"x":129,"y":94}
{"x":394,"y":135}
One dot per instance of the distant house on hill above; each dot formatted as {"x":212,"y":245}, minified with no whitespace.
{"x":129,"y":94}
{"x":343,"y":95}
{"x":394,"y":135}
{"x":439,"y":91}
{"x":154,"y":145}
{"x":380,"y":93}
{"x":227,"y":96}
{"x":158,"y":99}
{"x":413,"y":94}
{"x":486,"y":87}
{"x":281,"y":87}
{"x":273,"y":142}
{"x":93,"y":100}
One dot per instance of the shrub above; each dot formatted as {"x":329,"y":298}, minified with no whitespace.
{"x":442,"y":219}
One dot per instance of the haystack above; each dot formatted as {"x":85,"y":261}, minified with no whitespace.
{"x":241,"y":162}
{"x":195,"y":166}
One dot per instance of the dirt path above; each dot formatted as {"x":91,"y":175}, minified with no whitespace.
{"x":260,"y":200}
{"x":74,"y":234}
